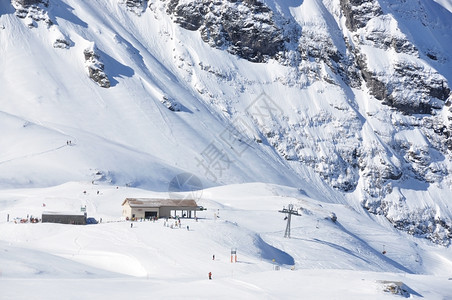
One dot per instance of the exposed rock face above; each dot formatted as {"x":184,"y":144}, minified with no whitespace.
{"x":95,"y":67}
{"x":31,"y":2}
{"x":61,"y":43}
{"x":423,"y":222}
{"x":411,"y":87}
{"x":245,"y":28}
{"x":411,"y":91}
{"x":251,"y":30}
{"x":136,"y":6}
{"x":337,"y":163}
{"x":359,"y":12}
{"x":32,"y":10}
{"x":170,"y":103}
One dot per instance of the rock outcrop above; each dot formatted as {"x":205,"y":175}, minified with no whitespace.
{"x":170,"y":103}
{"x":136,"y":6}
{"x":358,"y":12}
{"x":32,"y":11}
{"x":245,"y":28}
{"x":95,"y":67}
{"x":408,"y":84}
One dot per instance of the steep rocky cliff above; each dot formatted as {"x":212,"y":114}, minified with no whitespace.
{"x":408,"y":83}
{"x":32,"y":11}
{"x":368,"y":103}
{"x":245,"y":28}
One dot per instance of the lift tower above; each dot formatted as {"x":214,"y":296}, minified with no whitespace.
{"x":289,"y":212}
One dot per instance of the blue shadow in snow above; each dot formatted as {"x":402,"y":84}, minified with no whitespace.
{"x":59,"y":9}
{"x":375,"y":252}
{"x":136,"y":56}
{"x":411,"y":291}
{"x":6,"y":8}
{"x":411,"y":184}
{"x":342,"y":249}
{"x":269,"y":252}
{"x":183,"y":108}
{"x":114,"y":68}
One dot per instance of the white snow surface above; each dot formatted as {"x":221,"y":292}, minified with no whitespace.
{"x":110,"y":260}
{"x":62,"y":134}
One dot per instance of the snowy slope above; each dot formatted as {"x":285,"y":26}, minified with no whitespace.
{"x":346,"y":118}
{"x":345,"y":256}
{"x":59,"y":96}
{"x":149,"y":60}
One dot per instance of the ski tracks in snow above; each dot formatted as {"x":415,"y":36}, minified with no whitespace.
{"x":33,"y":154}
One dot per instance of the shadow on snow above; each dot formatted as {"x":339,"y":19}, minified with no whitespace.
{"x":269,"y":252}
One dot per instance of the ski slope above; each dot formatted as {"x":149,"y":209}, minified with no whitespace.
{"x":322,"y":259}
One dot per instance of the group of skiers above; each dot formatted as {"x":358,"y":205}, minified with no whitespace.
{"x":166,"y":223}
{"x":176,"y":224}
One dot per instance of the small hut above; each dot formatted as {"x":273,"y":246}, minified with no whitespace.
{"x":146,"y":208}
{"x":64,"y":217}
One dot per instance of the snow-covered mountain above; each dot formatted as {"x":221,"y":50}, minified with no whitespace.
{"x":349,"y":97}
{"x":341,"y":107}
{"x":353,"y":95}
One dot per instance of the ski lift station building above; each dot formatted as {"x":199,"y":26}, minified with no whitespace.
{"x":146,"y":208}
